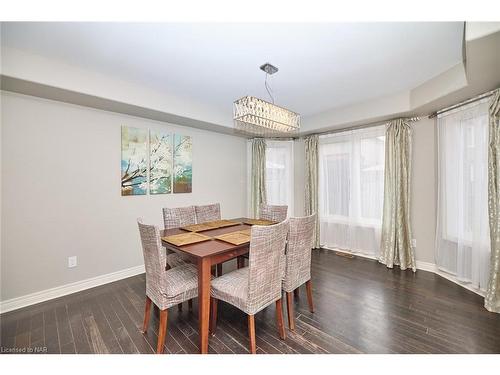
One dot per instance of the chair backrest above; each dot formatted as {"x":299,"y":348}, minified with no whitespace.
{"x":298,"y":252}
{"x":178,"y":217}
{"x":154,"y":260}
{"x":209,"y":212}
{"x":273,"y":213}
{"x":266,"y":264}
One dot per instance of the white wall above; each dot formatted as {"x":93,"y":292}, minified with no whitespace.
{"x":424,"y":188}
{"x":475,"y":30}
{"x":299,"y":159}
{"x":61,"y":191}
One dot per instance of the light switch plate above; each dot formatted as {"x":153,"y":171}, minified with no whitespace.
{"x":72,"y":262}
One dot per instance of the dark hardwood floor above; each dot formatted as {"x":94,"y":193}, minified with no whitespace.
{"x":361,"y":307}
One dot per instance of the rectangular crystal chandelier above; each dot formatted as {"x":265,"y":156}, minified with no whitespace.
{"x":256,"y":116}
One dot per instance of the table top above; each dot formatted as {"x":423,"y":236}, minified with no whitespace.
{"x":210,"y":247}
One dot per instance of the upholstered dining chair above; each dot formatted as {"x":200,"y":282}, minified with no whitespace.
{"x":257,"y":286}
{"x":272,"y":213}
{"x":298,"y":262}
{"x":179,"y":216}
{"x":175,"y":218}
{"x":209,"y":212}
{"x":266,"y":212}
{"x":164,"y":288}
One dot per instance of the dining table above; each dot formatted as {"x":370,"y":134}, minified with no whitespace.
{"x":204,"y":255}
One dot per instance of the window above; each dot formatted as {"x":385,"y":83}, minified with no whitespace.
{"x":279,"y":174}
{"x":351,"y":189}
{"x":462,"y":235}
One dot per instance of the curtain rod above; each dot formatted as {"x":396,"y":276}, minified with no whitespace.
{"x":461,"y":104}
{"x":364,"y":126}
{"x":275,"y":138}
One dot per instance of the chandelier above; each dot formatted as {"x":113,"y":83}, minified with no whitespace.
{"x":256,"y":116}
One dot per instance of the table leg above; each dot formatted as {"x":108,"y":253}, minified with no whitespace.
{"x":204,"y":267}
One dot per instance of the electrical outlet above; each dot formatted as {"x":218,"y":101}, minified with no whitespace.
{"x":413,"y":242}
{"x":72,"y":262}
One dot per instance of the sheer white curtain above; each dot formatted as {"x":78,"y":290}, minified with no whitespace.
{"x":462,"y":236}
{"x":279,"y":174}
{"x":351,"y":189}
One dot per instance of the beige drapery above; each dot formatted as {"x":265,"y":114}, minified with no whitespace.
{"x":395,"y":247}
{"x":311,"y":193}
{"x":258,"y":175}
{"x":492,"y":298}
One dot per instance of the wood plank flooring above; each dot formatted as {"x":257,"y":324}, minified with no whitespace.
{"x":361,"y":307}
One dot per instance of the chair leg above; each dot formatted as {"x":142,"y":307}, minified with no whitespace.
{"x":147,"y":314}
{"x":219,"y":270}
{"x":251,"y":334}
{"x":296,"y":293}
{"x":213,"y":315}
{"x":190,"y":304}
{"x":162,"y":331}
{"x":310,"y":295}
{"x":279,"y":318}
{"x":289,"y":310}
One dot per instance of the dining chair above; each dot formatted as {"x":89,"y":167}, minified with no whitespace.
{"x":164,"y":288}
{"x":266,"y":212}
{"x":272,"y":212}
{"x":298,"y":262}
{"x":257,"y":286}
{"x":209,"y":212}
{"x":175,"y":218}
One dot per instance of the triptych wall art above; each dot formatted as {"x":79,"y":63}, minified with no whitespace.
{"x":164,"y":164}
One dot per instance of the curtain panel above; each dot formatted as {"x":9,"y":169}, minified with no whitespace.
{"x":462,"y":233}
{"x":351,"y":189}
{"x":395,"y":246}
{"x":492,"y":298}
{"x":311,"y":188}
{"x":280,"y":174}
{"x":258,"y":175}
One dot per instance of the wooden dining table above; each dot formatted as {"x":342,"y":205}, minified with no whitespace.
{"x":205,"y":255}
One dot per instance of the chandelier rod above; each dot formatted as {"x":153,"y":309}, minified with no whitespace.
{"x":268,"y":88}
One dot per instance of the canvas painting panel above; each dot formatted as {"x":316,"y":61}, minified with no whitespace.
{"x":183,"y":164}
{"x":160,"y":162}
{"x":134,"y":161}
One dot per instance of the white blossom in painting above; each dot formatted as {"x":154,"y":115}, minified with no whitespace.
{"x":160,"y":162}
{"x":134,"y":161}
{"x":183,"y":164}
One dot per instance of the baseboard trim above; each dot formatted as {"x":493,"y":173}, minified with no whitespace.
{"x":424,"y":266}
{"x":63,"y":290}
{"x":453,"y":279}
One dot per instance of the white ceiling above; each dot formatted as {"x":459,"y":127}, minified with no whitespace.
{"x":322,"y":66}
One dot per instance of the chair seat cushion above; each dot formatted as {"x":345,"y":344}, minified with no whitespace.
{"x":181,"y":279}
{"x":232,"y":288}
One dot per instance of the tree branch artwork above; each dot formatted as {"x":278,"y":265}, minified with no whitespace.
{"x":165,"y":166}
{"x":134,"y":161}
{"x":183,"y":164}
{"x":160,"y":162}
